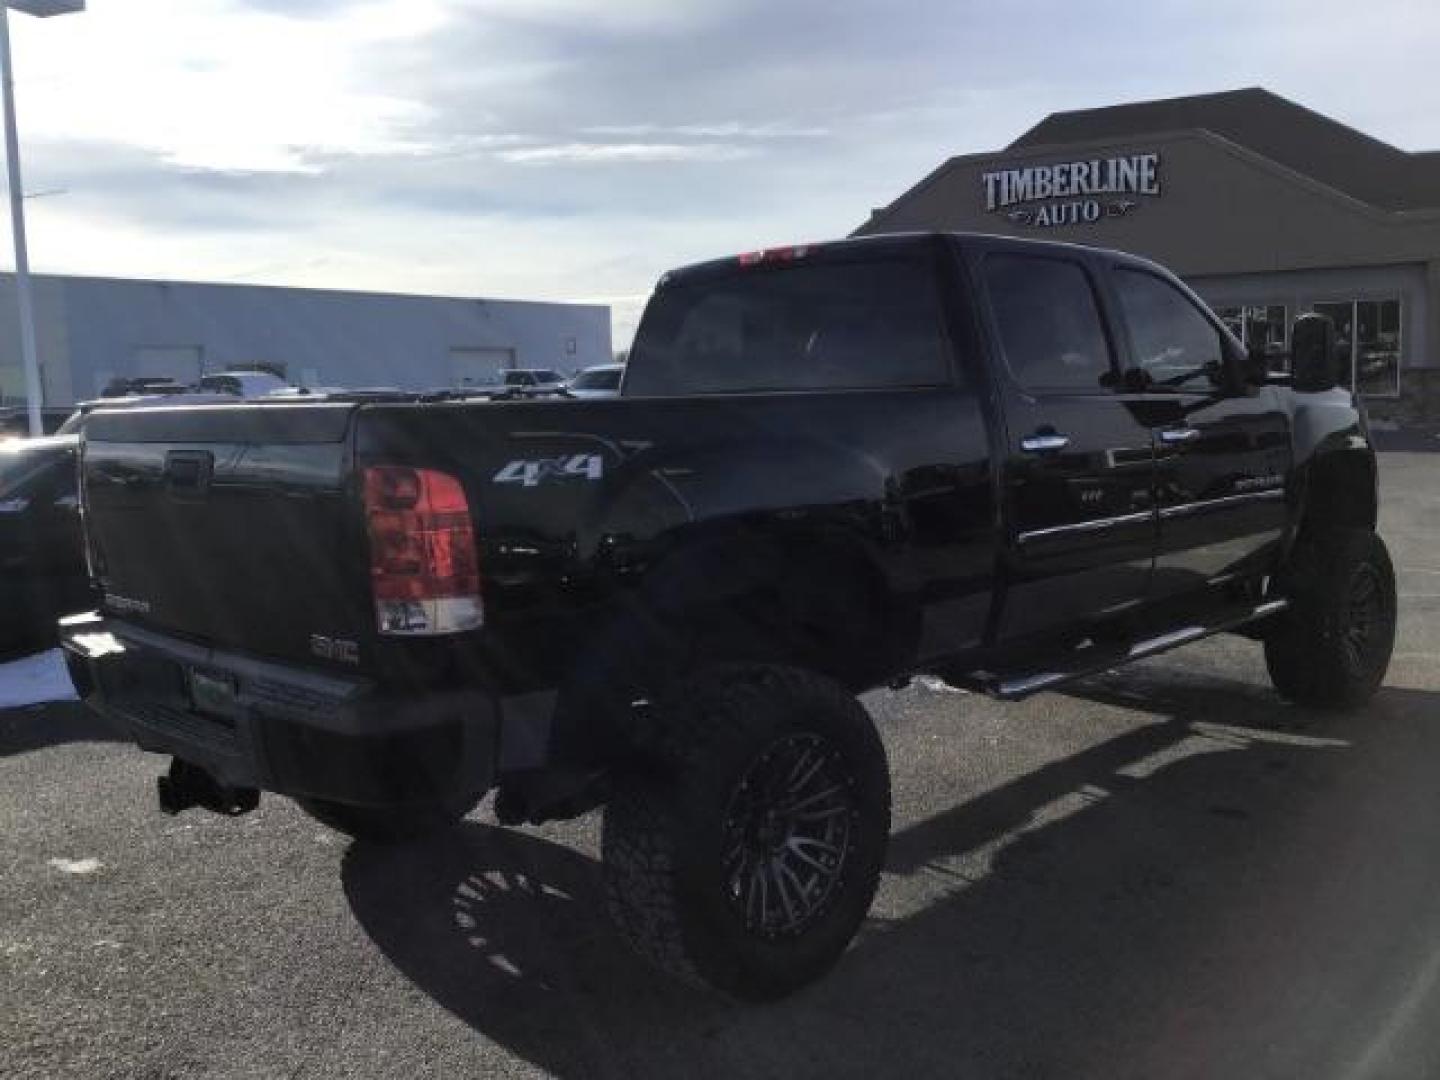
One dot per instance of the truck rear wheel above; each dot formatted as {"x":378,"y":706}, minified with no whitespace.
{"x":1332,"y":648}
{"x":746,"y":856}
{"x":388,"y":824}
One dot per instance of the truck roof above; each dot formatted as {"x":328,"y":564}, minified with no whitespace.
{"x":884,"y":242}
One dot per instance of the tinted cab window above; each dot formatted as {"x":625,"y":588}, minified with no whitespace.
{"x":1048,"y":323}
{"x":807,"y":326}
{"x":1172,"y":342}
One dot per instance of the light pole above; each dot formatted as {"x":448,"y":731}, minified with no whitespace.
{"x":42,"y":8}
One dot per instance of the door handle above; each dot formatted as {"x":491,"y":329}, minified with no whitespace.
{"x":1174,"y":436}
{"x":1041,"y":443}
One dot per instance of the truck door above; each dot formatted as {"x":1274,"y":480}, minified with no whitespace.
{"x":1077,"y":459}
{"x":1222,"y":453}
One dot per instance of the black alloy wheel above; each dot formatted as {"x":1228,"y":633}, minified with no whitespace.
{"x":1331,"y":649}
{"x":744,"y":854}
{"x":789,"y":832}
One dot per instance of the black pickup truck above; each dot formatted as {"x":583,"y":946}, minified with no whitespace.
{"x":1007,"y":463}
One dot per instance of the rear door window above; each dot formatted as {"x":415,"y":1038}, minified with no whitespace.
{"x":821,"y":326}
{"x":1048,"y":322}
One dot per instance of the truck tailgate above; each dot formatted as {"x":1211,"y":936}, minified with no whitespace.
{"x":228,"y":524}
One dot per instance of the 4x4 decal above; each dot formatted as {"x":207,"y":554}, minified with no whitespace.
{"x":532,"y":472}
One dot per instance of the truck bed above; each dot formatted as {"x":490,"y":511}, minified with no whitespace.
{"x":240,"y":525}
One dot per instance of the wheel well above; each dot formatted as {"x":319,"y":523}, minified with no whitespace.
{"x":1341,"y":492}
{"x":812,"y":600}
{"x":828,"y":608}
{"x":819,"y":603}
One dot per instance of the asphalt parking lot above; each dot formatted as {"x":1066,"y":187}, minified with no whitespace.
{"x":1163,"y":872}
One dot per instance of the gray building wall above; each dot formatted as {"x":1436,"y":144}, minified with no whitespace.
{"x":91,"y":329}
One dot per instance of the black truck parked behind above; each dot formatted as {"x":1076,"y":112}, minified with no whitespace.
{"x":42,"y":566}
{"x":1008,"y":463}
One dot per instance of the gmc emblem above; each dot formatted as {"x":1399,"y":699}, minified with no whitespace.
{"x":337,"y":649}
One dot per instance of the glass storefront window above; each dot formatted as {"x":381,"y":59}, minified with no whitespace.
{"x":1264,"y":325}
{"x":1377,"y":345}
{"x":1367,"y":334}
{"x":1269,"y":328}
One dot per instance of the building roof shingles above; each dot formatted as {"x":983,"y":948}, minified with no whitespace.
{"x":1291,"y":135}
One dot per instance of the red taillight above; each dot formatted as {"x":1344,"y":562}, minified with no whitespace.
{"x":424,"y":571}
{"x":774,"y":255}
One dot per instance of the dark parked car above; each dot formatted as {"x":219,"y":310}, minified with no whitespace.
{"x":1008,"y":463}
{"x":244,"y":384}
{"x":143,"y":384}
{"x":42,"y":563}
{"x":525,"y":382}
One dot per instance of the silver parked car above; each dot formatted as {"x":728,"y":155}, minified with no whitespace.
{"x":602,"y":381}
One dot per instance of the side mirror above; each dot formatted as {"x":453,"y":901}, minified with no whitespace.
{"x":1255,"y":366}
{"x":1313,"y":359}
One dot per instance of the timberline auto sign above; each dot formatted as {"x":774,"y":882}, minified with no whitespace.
{"x":1072,"y":192}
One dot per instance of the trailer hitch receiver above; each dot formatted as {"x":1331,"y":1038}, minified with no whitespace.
{"x":187,"y":785}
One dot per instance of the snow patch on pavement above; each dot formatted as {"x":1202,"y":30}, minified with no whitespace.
{"x":937,"y":685}
{"x":35,"y":680}
{"x":76,"y":866}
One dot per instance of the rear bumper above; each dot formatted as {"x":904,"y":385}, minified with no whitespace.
{"x":282,"y":728}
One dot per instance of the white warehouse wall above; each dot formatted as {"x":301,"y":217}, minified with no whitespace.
{"x":91,"y":329}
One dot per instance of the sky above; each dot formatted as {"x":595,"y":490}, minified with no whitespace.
{"x":576,"y":149}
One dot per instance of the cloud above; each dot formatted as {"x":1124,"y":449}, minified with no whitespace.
{"x":730,"y":130}
{"x":567,"y":148}
{"x":596,"y":153}
{"x":224,"y":86}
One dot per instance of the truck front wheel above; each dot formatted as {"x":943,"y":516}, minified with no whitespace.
{"x":1331,"y":649}
{"x":745,"y":853}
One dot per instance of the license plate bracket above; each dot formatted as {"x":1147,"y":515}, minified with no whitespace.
{"x":214,"y":694}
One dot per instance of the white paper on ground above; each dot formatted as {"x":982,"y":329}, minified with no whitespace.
{"x":35,"y":679}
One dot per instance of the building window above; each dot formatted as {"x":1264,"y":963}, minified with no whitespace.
{"x":1367,"y":334}
{"x":1264,"y":325}
{"x":1377,"y":347}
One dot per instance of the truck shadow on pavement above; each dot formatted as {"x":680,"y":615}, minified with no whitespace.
{"x":34,"y":727}
{"x":1203,"y":895}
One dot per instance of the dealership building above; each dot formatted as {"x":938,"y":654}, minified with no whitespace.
{"x":93,"y":330}
{"x":1266,"y":209}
